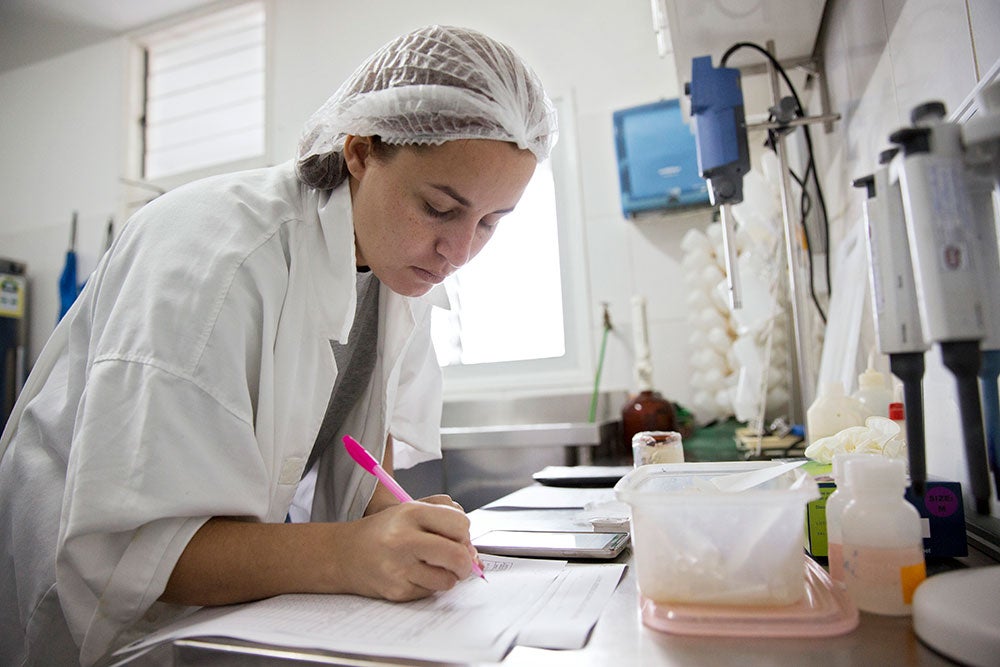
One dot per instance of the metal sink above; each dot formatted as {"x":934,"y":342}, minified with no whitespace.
{"x":538,"y":421}
{"x":492,"y":447}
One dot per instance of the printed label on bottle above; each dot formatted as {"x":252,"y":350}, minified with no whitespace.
{"x":882,"y":581}
{"x":910,"y":577}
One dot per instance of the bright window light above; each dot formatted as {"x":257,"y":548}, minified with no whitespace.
{"x":507,"y":302}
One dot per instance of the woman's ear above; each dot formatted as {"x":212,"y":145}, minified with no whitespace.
{"x":357,"y":150}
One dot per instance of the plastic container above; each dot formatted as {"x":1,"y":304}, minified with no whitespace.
{"x":835,"y":504}
{"x":883,"y":538}
{"x":657,"y":447}
{"x":832,"y":412}
{"x":874,"y":392}
{"x":825,"y":611}
{"x":711,"y":547}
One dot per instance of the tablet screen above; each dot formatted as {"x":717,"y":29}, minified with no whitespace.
{"x":562,"y":544}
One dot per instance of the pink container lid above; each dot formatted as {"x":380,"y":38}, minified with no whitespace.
{"x":823,"y":611}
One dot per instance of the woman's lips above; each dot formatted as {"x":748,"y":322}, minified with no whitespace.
{"x":429,"y":276}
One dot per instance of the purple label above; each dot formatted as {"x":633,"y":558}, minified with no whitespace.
{"x":940,"y":501}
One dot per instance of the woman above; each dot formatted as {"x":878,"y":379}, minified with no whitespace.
{"x":176,"y":443}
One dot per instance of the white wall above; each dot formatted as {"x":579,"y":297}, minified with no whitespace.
{"x":61,"y":146}
{"x":883,"y":57}
{"x":62,"y":140}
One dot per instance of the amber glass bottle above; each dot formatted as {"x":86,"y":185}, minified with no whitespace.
{"x":648,"y":410}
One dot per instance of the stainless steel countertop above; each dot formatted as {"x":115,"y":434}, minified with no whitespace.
{"x":620,"y":638}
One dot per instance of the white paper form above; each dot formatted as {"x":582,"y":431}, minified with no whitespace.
{"x":571,"y":606}
{"x":475,"y":621}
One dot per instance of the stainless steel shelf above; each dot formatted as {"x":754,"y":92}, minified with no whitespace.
{"x":568,"y":434}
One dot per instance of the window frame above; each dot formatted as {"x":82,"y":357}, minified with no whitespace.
{"x":145,"y":188}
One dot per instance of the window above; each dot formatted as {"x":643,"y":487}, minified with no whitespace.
{"x":519,"y":309}
{"x":203,"y":94}
{"x":489,"y":298}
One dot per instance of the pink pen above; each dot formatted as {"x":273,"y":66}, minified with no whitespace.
{"x":368,"y":462}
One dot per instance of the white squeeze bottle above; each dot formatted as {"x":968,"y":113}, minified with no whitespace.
{"x":833,"y":411}
{"x":835,"y":504}
{"x":873,"y":391}
{"x":883,"y":538}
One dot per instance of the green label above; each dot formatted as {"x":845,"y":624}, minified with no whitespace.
{"x":816,"y":522}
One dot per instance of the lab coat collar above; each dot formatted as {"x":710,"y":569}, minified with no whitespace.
{"x":438,"y":296}
{"x":335,"y":274}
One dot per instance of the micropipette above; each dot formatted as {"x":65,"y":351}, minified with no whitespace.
{"x":931,"y":175}
{"x":894,"y":304}
{"x":981,"y":136}
{"x":981,"y":201}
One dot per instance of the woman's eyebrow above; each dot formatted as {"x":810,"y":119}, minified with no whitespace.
{"x":450,"y":191}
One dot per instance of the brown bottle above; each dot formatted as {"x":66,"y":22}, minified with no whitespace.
{"x":646,"y":411}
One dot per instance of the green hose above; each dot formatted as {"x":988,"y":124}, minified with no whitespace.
{"x":600,"y":365}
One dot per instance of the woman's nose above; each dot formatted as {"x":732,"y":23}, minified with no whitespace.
{"x":457,"y":243}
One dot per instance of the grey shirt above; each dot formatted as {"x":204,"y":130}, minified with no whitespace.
{"x":355,"y":362}
{"x":329,"y":466}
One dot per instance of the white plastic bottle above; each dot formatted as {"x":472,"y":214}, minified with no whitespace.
{"x":832,"y":412}
{"x":883,"y":538}
{"x":874,"y":392}
{"x":835,"y":504}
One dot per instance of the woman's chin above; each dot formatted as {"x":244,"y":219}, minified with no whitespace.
{"x":411,"y":288}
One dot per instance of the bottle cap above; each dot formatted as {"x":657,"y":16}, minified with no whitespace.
{"x":656,"y":437}
{"x":928,"y":111}
{"x":839,"y":461}
{"x":876,"y":473}
{"x":871,"y":378}
{"x":897,"y":412}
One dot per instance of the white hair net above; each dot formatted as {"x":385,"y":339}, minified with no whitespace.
{"x":430,"y":86}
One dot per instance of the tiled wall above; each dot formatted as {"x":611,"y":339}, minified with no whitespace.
{"x":883,"y":57}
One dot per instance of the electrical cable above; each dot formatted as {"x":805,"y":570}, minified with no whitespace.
{"x":811,"y":165}
{"x":822,"y":206}
{"x":810,"y":168}
{"x":805,"y":207}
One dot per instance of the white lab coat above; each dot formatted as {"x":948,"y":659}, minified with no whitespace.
{"x":188,"y":381}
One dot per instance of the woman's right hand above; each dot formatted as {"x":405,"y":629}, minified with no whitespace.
{"x":405,"y":552}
